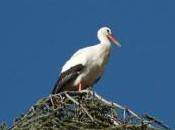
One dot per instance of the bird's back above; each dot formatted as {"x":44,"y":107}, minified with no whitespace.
{"x":79,"y":57}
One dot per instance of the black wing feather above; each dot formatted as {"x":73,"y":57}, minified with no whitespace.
{"x":66,"y":77}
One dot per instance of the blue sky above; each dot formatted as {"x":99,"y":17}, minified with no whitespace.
{"x":37,"y":37}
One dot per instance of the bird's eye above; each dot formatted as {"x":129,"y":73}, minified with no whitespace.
{"x":108,"y":30}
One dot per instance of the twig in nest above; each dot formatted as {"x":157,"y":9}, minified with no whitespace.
{"x":32,"y":109}
{"x":73,"y":100}
{"x":114,"y":104}
{"x":51,"y":100}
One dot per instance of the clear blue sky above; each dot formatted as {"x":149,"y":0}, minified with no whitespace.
{"x":37,"y":37}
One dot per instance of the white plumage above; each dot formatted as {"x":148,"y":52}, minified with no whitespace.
{"x":90,"y":61}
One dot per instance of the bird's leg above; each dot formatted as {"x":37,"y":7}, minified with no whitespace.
{"x":80,"y":87}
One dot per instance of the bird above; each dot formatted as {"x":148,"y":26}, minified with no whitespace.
{"x":86,"y":66}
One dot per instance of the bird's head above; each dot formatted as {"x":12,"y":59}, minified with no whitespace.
{"x":106,"y":33}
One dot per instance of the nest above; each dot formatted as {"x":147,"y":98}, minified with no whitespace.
{"x":78,"y":111}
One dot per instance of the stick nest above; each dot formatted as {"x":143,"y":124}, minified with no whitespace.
{"x":76,"y":111}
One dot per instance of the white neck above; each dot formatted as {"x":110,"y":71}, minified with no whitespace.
{"x":105,"y":46}
{"x":105,"y":42}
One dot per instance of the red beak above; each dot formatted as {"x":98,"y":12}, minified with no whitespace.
{"x":113,"y":39}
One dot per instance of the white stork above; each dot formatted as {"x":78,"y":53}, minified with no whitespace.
{"x":86,"y":65}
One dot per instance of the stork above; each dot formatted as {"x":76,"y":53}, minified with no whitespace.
{"x":86,"y":66}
